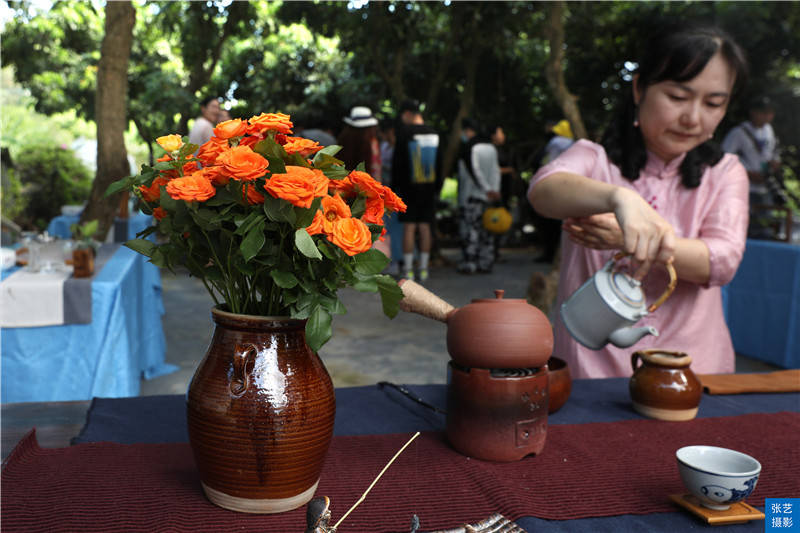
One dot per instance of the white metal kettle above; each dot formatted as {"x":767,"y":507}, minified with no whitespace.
{"x":605,"y":307}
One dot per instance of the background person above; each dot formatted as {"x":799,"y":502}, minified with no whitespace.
{"x":417,"y":179}
{"x":659,"y":189}
{"x":478,"y":186}
{"x":203,"y":127}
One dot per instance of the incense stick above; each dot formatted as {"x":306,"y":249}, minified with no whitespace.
{"x":363,"y":496}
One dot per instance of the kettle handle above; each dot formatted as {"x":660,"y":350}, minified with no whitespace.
{"x":673,"y":281}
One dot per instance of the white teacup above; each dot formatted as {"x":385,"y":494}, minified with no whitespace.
{"x":718,"y":477}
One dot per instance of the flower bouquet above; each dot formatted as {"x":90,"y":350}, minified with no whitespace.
{"x":272,"y":224}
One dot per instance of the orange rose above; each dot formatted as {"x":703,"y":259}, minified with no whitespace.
{"x":299,"y":145}
{"x":170,"y":143}
{"x":252,"y":195}
{"x":250,"y":140}
{"x":392,"y":202}
{"x":214,"y":175}
{"x":270,"y":121}
{"x":192,"y":188}
{"x":159,"y":213}
{"x":320,"y":182}
{"x":365,"y":183}
{"x":343,"y":186}
{"x":231,"y":128}
{"x":315,"y":228}
{"x":209,"y":151}
{"x":242,"y":163}
{"x":374,"y":211}
{"x":153,"y":192}
{"x":297,"y":186}
{"x":333,"y":208}
{"x":190,"y":168}
{"x":351,"y":235}
{"x":165,"y":157}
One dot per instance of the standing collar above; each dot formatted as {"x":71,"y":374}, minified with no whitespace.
{"x":655,"y":166}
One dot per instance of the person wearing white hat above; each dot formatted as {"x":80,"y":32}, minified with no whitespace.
{"x":359,"y":141}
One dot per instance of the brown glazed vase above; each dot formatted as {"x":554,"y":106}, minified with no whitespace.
{"x":82,"y":262}
{"x":664,"y":387}
{"x":260,"y":412}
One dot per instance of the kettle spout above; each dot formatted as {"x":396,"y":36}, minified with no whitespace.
{"x":624,"y":337}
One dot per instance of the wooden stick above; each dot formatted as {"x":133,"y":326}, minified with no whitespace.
{"x":363,"y":496}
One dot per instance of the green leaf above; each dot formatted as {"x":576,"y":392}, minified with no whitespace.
{"x":205,"y":218}
{"x":391,"y":294}
{"x":306,"y":216}
{"x":253,"y":242}
{"x":166,"y":165}
{"x":370,"y":262}
{"x":333,"y":305}
{"x":124,"y":184}
{"x":358,"y":207}
{"x":331,"y":149}
{"x":318,"y":328}
{"x":222,"y":197}
{"x":366,"y":285}
{"x":279,"y":210}
{"x":143,"y":246}
{"x":284,"y":280}
{"x":304,"y":243}
{"x":270,"y":150}
{"x":248,"y":223}
{"x":335,"y":172}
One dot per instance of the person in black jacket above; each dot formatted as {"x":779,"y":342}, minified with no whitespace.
{"x":417,"y":179}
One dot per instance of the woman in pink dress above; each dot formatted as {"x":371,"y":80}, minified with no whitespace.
{"x":660,"y":189}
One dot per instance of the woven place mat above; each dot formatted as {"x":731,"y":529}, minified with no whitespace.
{"x":585,"y":470}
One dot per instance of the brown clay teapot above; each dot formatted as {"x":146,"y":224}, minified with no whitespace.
{"x":489,"y":332}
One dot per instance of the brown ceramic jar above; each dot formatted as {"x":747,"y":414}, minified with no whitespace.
{"x":664,"y":387}
{"x":499,"y":333}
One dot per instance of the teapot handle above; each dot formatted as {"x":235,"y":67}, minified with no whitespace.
{"x":418,"y":299}
{"x":673,"y":281}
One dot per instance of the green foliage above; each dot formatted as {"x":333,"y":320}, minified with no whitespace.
{"x":295,"y":56}
{"x":13,"y":199}
{"x":51,"y":177}
{"x":83,"y":234}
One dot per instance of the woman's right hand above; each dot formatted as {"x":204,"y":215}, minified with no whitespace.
{"x":647,"y":236}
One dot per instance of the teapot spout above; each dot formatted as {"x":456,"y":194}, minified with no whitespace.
{"x":624,"y":337}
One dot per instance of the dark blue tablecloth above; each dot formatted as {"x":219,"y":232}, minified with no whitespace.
{"x":382,"y":409}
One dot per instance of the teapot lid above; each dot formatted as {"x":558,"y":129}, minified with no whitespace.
{"x":622,"y":293}
{"x":627,"y":288}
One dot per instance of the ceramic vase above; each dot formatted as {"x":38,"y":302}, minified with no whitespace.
{"x":260,"y":412}
{"x":83,"y":262}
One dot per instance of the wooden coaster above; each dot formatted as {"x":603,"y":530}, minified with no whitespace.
{"x":738,"y":513}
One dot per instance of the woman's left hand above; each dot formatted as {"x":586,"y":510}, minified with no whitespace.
{"x":599,"y":232}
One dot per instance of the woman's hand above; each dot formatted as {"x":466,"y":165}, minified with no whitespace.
{"x":599,"y":232}
{"x":646,"y":235}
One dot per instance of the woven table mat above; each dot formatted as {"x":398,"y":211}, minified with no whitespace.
{"x":585,"y":470}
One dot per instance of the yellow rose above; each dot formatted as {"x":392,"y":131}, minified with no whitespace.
{"x":170,"y":143}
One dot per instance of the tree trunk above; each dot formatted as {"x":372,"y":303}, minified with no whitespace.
{"x":554,"y":68}
{"x":111,"y":114}
{"x":467,"y":101}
